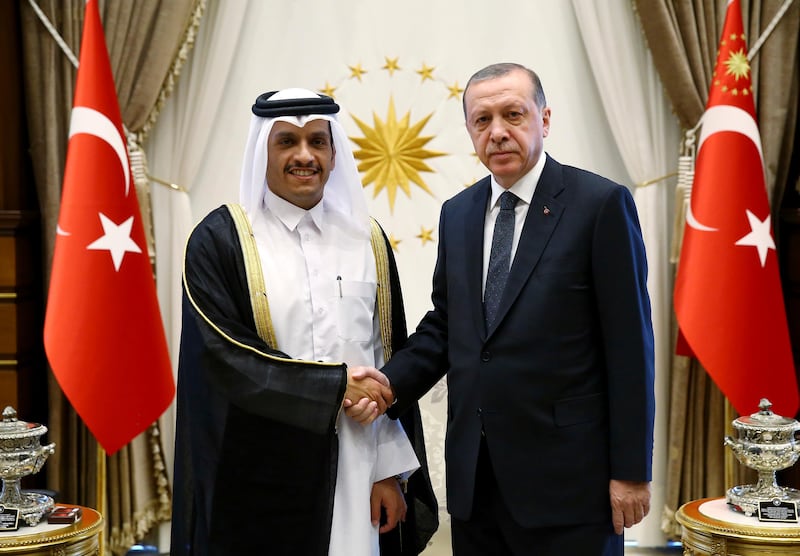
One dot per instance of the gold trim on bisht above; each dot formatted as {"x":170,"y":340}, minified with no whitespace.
{"x":232,"y":340}
{"x":384,"y":287}
{"x":255,"y":275}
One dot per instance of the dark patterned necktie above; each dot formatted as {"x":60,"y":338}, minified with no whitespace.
{"x":500,"y":257}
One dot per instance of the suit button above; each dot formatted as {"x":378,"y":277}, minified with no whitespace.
{"x":485,"y":356}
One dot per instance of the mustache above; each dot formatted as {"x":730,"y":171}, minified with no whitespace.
{"x":504,"y":149}
{"x":309,"y":166}
{"x":504,"y":146}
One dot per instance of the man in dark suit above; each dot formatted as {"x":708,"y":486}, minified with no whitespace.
{"x":549,"y":364}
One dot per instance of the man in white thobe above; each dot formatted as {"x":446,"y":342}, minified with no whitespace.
{"x":283,"y":296}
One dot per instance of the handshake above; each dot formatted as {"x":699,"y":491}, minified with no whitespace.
{"x":368,"y":394}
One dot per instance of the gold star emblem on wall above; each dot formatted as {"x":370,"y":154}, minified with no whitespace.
{"x":425,"y":235}
{"x":391,"y":65}
{"x":426,"y":72}
{"x":394,"y":242}
{"x":455,"y":90}
{"x":392,"y":153}
{"x":356,"y":71}
{"x":328,"y":89}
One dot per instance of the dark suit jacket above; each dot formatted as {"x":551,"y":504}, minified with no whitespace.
{"x":562,"y":384}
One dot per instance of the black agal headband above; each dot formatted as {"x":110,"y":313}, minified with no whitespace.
{"x":266,"y":108}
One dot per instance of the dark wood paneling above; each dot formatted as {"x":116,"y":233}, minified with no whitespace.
{"x":23,"y":372}
{"x":17,"y":191}
{"x":8,"y":384}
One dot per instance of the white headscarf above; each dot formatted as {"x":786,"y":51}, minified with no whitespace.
{"x":343,"y":192}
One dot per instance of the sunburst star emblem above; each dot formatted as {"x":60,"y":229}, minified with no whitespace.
{"x":392,"y":154}
{"x":737,"y":65}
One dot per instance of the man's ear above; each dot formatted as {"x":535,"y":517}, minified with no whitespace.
{"x":546,"y":121}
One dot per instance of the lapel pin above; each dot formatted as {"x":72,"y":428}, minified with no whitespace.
{"x":546,"y":210}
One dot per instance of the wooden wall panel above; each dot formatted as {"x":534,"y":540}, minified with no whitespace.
{"x":8,"y":262}
{"x":23,"y":371}
{"x":8,"y":385}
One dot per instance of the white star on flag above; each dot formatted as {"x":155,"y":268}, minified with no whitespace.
{"x":116,"y":239}
{"x":759,"y":237}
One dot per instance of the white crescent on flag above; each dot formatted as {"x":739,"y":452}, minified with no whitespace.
{"x":90,"y":121}
{"x":724,"y":117}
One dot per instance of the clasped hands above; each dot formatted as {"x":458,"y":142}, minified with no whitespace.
{"x":368,"y":394}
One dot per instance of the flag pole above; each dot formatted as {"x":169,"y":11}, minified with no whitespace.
{"x":101,"y":497}
{"x":730,"y":415}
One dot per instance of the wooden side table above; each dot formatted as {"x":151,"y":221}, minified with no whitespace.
{"x":76,"y":539}
{"x":710,"y":527}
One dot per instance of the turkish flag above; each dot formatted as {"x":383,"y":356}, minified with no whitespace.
{"x":728,"y":297}
{"x":103,"y":332}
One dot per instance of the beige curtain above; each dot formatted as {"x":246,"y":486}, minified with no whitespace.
{"x":683,"y":36}
{"x":147,"y":42}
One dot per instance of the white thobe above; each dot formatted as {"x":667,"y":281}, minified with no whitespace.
{"x":321,"y":286}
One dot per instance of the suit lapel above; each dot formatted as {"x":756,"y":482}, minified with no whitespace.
{"x":543,"y":216}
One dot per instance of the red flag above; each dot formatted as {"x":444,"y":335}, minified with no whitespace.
{"x":103,"y":332}
{"x":728,"y":296}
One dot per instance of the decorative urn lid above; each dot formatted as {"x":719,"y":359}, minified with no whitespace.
{"x":18,"y":434}
{"x":766,"y":427}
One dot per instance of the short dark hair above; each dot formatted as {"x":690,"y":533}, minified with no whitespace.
{"x":494,"y":71}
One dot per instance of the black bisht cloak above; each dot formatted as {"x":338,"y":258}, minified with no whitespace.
{"x":255,"y":437}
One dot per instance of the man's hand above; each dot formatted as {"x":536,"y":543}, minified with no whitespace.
{"x":367,"y":395}
{"x":630,"y":502}
{"x":388,"y":495}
